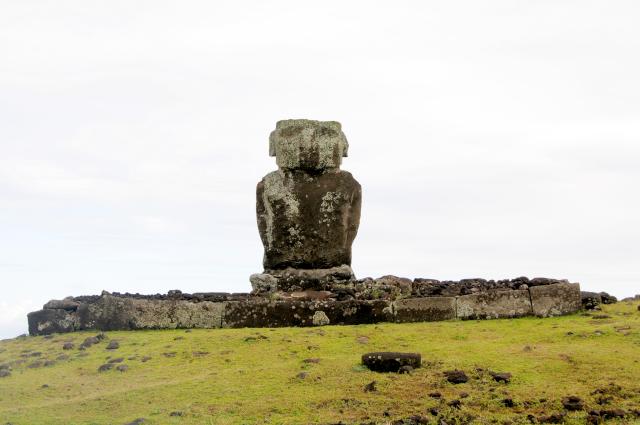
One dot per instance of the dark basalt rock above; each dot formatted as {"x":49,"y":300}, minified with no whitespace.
{"x":573,"y":403}
{"x":390,"y":361}
{"x":590,"y":300}
{"x":456,"y":376}
{"x":501,"y":376}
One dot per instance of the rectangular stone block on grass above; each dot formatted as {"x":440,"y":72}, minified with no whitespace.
{"x":494,"y":304}
{"x":555,"y":300}
{"x":429,"y":309}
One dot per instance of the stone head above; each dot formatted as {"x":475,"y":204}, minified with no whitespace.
{"x":308,"y":145}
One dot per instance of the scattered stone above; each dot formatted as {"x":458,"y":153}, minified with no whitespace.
{"x":101,"y":336}
{"x":116,"y":360}
{"x":138,"y":421}
{"x":314,"y":360}
{"x":370,"y":387}
{"x":200,"y":353}
{"x":145,"y":359}
{"x":105,"y":367}
{"x":573,"y":403}
{"x":169,"y":354}
{"x":302,"y":375}
{"x":35,"y":354}
{"x":35,"y":364}
{"x":122,"y":368}
{"x":613,"y":413}
{"x":390,"y":361}
{"x":455,"y":404}
{"x":176,"y":413}
{"x":4,"y":373}
{"x":178,"y":338}
{"x":68,"y":346}
{"x":508,"y":402}
{"x":456,"y":376}
{"x":554,"y":418}
{"x":49,"y":363}
{"x":435,"y":394}
{"x":45,"y":386}
{"x":434,"y":411}
{"x":464,"y":394}
{"x":501,"y":376}
{"x":600,"y":316}
{"x":411,"y":420}
{"x":113,"y":345}
{"x":88,"y":342}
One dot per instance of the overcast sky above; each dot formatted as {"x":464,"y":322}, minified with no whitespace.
{"x":492,"y":139}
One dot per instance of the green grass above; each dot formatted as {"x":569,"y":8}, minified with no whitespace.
{"x":251,"y":381}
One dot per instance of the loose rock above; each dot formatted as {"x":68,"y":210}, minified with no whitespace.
{"x":573,"y":403}
{"x":113,"y":345}
{"x":456,"y":376}
{"x":501,"y":376}
{"x":390,"y":361}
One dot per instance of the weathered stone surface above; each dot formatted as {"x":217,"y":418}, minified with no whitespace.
{"x":305,"y":221}
{"x":66,"y":304}
{"x":494,"y":305}
{"x":425,"y":309}
{"x":262,"y":312}
{"x":308,"y":211}
{"x":590,"y":300}
{"x":292,"y":279}
{"x":308,"y":144}
{"x":555,"y":300}
{"x":48,"y":321}
{"x":387,"y":361}
{"x":356,"y":301}
{"x":115,"y":313}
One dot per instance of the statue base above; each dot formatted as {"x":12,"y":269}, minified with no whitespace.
{"x":291,"y":279}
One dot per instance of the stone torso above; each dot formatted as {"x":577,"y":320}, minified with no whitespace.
{"x":308,"y":221}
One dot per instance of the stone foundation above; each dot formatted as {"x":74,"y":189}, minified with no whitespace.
{"x":387,"y":299}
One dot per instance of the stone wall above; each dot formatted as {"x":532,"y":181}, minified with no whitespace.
{"x":388,"y":299}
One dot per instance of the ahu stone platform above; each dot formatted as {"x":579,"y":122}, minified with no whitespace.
{"x":386,"y":299}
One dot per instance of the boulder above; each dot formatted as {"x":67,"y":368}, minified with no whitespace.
{"x":390,"y":361}
{"x":556,"y":299}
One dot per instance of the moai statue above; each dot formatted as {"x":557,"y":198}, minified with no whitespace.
{"x":308,"y":210}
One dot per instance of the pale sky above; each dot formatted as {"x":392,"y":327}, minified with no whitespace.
{"x":492,"y":139}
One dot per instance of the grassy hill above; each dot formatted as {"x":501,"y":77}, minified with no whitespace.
{"x":313,"y":375}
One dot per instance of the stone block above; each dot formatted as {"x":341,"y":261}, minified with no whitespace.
{"x":429,"y":309}
{"x":494,"y":304}
{"x":48,"y":321}
{"x":115,"y":313}
{"x":387,"y":361}
{"x":261,"y":312}
{"x":555,"y":300}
